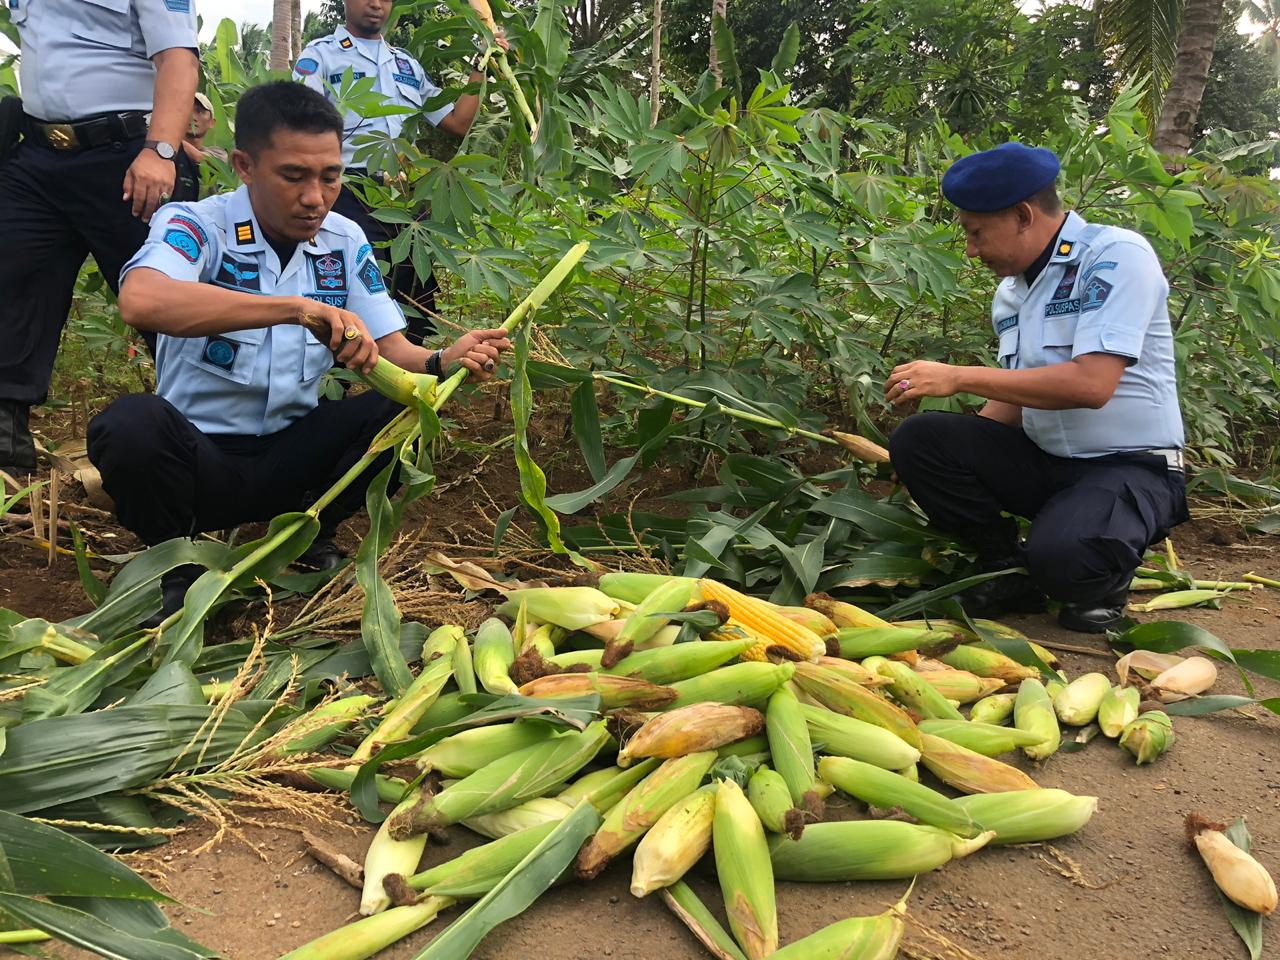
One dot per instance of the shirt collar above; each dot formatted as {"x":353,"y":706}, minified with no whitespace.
{"x":358,"y":44}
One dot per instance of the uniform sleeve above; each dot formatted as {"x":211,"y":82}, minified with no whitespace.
{"x":1120,"y":292}
{"x":179,"y":245}
{"x":310,"y":68}
{"x":429,"y":92}
{"x":167,"y":24}
{"x":369,"y":298}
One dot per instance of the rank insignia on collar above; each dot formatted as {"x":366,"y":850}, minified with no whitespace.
{"x":345,"y":43}
{"x":244,"y":232}
{"x":1065,"y":247}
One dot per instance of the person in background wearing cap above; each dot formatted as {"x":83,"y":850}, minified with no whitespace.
{"x":359,"y":46}
{"x":106,"y":94}
{"x":1081,"y":432}
{"x":194,"y":152}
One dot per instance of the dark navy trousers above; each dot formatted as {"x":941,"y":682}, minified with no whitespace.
{"x":168,"y":479}
{"x":1091,"y":519}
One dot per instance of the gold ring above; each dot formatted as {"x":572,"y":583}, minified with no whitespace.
{"x":351,"y":333}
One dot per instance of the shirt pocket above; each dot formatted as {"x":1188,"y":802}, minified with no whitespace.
{"x":103,"y":21}
{"x":317,"y":358}
{"x":1059,"y":338}
{"x":1008,"y":351}
{"x":232,"y":356}
{"x":408,"y":92}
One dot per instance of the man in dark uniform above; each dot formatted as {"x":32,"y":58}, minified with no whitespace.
{"x":1081,"y":432}
{"x":359,"y":46}
{"x":107,"y":91}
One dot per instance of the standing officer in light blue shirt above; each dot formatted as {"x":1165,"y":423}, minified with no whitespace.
{"x":235,"y":431}
{"x":107,"y":88}
{"x":359,"y":46}
{"x":1081,"y":432}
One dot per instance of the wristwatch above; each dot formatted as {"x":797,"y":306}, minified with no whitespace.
{"x":162,"y":147}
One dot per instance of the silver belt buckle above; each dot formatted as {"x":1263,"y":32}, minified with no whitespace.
{"x":1173,"y":458}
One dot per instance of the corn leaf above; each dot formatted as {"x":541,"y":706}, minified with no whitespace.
{"x":586,"y":428}
{"x":380,"y":618}
{"x":62,"y":759}
{"x":83,"y":929}
{"x":531,"y":877}
{"x":46,"y":861}
{"x":94,"y":588}
{"x":134,"y":594}
{"x":73,"y":689}
{"x":693,"y":913}
{"x":110,"y":810}
{"x":1246,"y":923}
{"x":139,"y":918}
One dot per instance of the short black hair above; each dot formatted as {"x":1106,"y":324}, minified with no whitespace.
{"x":1046,"y":199}
{"x":282,"y":104}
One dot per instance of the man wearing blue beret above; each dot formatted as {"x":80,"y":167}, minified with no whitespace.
{"x":1081,"y":432}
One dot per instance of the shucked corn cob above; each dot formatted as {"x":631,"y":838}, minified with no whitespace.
{"x":761,"y":617}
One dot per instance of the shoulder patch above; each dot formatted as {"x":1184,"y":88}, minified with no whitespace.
{"x":363,"y":252}
{"x":244,"y":232}
{"x":178,"y":6}
{"x":307,"y":66}
{"x":371,"y":277}
{"x":181,"y":240}
{"x":1008,"y":323}
{"x":1095,"y":294}
{"x":1100,"y":265}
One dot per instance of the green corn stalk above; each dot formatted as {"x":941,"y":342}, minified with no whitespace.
{"x":179,"y":635}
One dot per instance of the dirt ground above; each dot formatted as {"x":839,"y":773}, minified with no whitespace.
{"x":1124,"y":887}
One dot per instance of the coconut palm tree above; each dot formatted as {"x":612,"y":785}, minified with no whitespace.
{"x":281,"y":41}
{"x":1197,"y":36}
{"x":1264,"y":15}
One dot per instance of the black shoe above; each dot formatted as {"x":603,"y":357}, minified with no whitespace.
{"x":173,"y":593}
{"x":998,"y":548}
{"x":17,"y":448}
{"x":323,"y":555}
{"x":1096,"y":617}
{"x":1012,"y":593}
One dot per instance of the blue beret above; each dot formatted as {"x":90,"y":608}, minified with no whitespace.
{"x":998,"y":178}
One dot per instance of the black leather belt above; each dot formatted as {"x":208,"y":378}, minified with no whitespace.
{"x":99,"y":131}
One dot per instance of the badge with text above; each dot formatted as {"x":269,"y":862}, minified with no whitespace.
{"x":220,"y":352}
{"x":329,"y":270}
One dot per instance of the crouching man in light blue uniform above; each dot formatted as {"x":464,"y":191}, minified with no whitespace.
{"x":235,"y":431}
{"x":1081,"y":432}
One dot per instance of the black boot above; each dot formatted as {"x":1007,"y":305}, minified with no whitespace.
{"x":323,"y":555}
{"x":998,"y":548}
{"x":17,"y":448}
{"x":1096,"y":617}
{"x":173,"y":592}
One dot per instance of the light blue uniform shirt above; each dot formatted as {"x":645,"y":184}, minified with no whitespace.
{"x":1102,"y":291}
{"x":256,"y":382}
{"x":398,"y":77}
{"x":82,"y":57}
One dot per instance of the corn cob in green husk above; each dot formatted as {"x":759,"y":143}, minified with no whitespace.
{"x":463,"y":753}
{"x":835,"y":734}
{"x":792,"y":753}
{"x":909,"y":687}
{"x":364,"y":938}
{"x":868,"y":850}
{"x":741,"y":684}
{"x":492,"y":655}
{"x":987,"y":739}
{"x":863,"y":938}
{"x":614,"y":692}
{"x":841,"y":695}
{"x":995,"y":709}
{"x":771,"y":800}
{"x":969,"y":771}
{"x":680,"y":661}
{"x":1029,"y":816}
{"x":520,"y":776}
{"x":1033,"y":712}
{"x":675,"y":843}
{"x":1118,"y":709}
{"x":640,"y":809}
{"x":386,"y":856}
{"x":884,"y":788}
{"x":745,"y":872}
{"x":702,"y":726}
